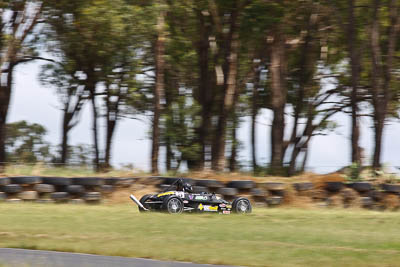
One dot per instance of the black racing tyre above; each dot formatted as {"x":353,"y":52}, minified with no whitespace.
{"x":274,"y":200}
{"x":107,"y":189}
{"x":44,"y":188}
{"x":57,"y":180}
{"x":92,"y":196}
{"x":391,"y":188}
{"x":334,"y":186}
{"x":241,"y":205}
{"x":26,"y":180}
{"x":171,"y":180}
{"x":28,"y":195}
{"x":88,"y":181}
{"x":304,"y":186}
{"x":209,"y":183}
{"x":60,"y":196}
{"x":375,"y":195}
{"x":112,"y":180}
{"x":227,"y":191}
{"x":126,"y":182}
{"x":241,"y":184}
{"x":11,"y":188}
{"x":362,"y":187}
{"x":173,"y":205}
{"x":143,"y":200}
{"x":200,"y":189}
{"x":366,"y":202}
{"x":4,"y":181}
{"x":257,"y":192}
{"x":75,"y":189}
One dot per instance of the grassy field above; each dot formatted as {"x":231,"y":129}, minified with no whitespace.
{"x":268,"y":237}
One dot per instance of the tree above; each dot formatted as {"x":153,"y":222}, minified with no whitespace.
{"x":25,"y":143}
{"x":159,"y":86}
{"x":72,"y":96}
{"x":382,"y":49}
{"x":16,"y":28}
{"x":95,"y":41}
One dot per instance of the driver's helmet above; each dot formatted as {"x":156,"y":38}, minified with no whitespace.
{"x":187,"y":188}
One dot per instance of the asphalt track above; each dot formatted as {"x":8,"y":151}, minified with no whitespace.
{"x":10,"y":257}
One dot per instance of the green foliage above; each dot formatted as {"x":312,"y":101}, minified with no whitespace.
{"x":25,"y":143}
{"x":354,"y":172}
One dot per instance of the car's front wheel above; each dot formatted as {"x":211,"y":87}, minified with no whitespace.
{"x":241,"y":205}
{"x":143,"y":200}
{"x":173,"y":205}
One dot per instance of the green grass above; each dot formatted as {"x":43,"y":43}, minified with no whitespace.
{"x":268,"y":237}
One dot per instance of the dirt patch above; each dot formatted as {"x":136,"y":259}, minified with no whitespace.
{"x":391,"y":201}
{"x":138,"y":190}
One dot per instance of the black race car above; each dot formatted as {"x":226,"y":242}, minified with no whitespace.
{"x":184,"y":200}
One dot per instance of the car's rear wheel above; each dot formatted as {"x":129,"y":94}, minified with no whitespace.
{"x":173,"y":205}
{"x":241,"y":205}
{"x":143,"y":200}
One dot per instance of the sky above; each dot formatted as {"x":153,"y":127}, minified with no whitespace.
{"x":35,"y":103}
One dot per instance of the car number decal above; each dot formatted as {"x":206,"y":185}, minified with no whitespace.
{"x":180,"y":194}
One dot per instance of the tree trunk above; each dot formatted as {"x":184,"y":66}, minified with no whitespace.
{"x":5,"y":95}
{"x":15,"y":30}
{"x":158,"y":91}
{"x":381,"y":71}
{"x":254,"y":113}
{"x":278,"y":101}
{"x":378,"y":126}
{"x":95,"y":133}
{"x":168,"y":154}
{"x":253,"y":138}
{"x":303,"y":165}
{"x":230,"y":90}
{"x":355,"y":75}
{"x":64,"y":137}
{"x":204,"y":89}
{"x":234,"y":148}
{"x":111,"y":124}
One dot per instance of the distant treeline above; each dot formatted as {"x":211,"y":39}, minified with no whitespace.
{"x":198,"y":66}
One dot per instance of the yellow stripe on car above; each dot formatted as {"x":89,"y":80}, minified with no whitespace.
{"x":165,"y":194}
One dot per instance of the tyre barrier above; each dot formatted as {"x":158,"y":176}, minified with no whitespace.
{"x":241,"y":184}
{"x":227,"y":192}
{"x":26,"y":180}
{"x":75,"y":189}
{"x":212,"y":184}
{"x":94,"y":189}
{"x":59,"y":189}
{"x":4,"y":181}
{"x":44,"y":188}
{"x":57,"y":181}
{"x":11,"y":188}
{"x":88,"y":181}
{"x":305,"y":186}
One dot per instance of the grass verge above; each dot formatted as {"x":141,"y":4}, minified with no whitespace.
{"x":268,"y":237}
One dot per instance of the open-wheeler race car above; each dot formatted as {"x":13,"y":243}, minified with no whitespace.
{"x":183,"y":199}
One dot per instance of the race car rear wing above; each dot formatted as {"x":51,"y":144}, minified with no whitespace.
{"x":134,"y":199}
